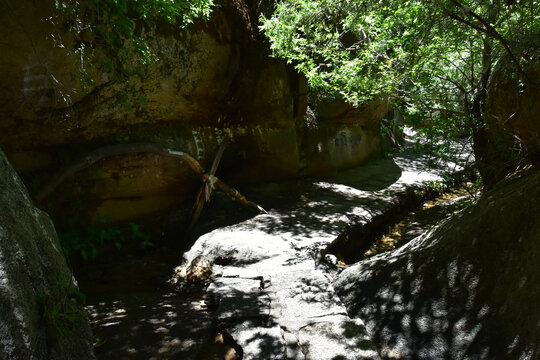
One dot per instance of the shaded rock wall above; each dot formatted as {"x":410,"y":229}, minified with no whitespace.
{"x":40,"y":314}
{"x":214,"y":82}
{"x":338,"y":136}
{"x":514,"y":101}
{"x":467,"y":289}
{"x":512,"y":132}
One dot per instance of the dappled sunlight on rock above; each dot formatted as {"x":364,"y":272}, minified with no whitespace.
{"x":337,"y":340}
{"x":444,"y":296}
{"x":259,"y":342}
{"x":271,"y":282}
{"x":412,"y":177}
{"x":347,"y":191}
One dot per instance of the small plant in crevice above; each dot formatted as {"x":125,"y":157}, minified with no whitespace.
{"x":61,"y":310}
{"x":468,"y":180}
{"x":439,"y":186}
{"x":139,"y":237}
{"x":474,"y":187}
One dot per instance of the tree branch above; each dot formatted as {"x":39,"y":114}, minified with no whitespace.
{"x":464,"y":21}
{"x":489,"y":30}
{"x":206,"y":188}
{"x":456,"y":84}
{"x":138,"y":148}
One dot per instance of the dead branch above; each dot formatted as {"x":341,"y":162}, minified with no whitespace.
{"x":206,"y":188}
{"x":139,"y":148}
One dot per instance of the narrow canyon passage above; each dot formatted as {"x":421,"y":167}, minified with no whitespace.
{"x":270,"y":291}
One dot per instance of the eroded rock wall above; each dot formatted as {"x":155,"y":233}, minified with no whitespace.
{"x":511,"y":136}
{"x":41,"y":316}
{"x":214,"y":81}
{"x":338,"y":136}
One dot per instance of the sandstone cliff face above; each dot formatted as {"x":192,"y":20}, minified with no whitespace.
{"x":341,"y":136}
{"x":465,"y":290}
{"x":514,"y":100}
{"x":214,"y":82}
{"x":40,"y":314}
{"x":511,"y":115}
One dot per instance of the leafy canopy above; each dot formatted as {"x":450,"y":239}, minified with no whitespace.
{"x":432,"y":55}
{"x":118,"y":28}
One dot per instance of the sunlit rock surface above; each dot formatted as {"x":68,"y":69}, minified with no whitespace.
{"x":270,"y":289}
{"x":41,"y":316}
{"x":467,"y":289}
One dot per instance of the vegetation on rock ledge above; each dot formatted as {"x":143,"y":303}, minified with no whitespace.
{"x":120,"y":28}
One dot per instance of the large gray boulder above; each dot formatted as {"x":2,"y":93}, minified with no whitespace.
{"x":41,"y":316}
{"x":467,"y":290}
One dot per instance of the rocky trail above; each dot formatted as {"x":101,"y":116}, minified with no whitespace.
{"x":270,"y":293}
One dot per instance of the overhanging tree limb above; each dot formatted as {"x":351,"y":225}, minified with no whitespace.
{"x":455,"y":83}
{"x":488,"y":30}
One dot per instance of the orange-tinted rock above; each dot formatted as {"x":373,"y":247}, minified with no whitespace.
{"x":214,"y":82}
{"x":514,"y":101}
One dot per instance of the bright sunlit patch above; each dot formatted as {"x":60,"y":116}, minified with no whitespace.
{"x":414,"y":177}
{"x":340,"y":189}
{"x":111,"y":323}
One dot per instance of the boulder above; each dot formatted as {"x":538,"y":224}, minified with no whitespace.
{"x":338,"y":136}
{"x":466,"y":289}
{"x":41,"y":315}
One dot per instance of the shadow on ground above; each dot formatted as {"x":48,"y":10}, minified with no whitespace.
{"x":145,"y":326}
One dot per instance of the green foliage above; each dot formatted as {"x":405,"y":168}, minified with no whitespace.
{"x":336,"y":45}
{"x":432,"y":57}
{"x":86,"y":242}
{"x":468,"y":181}
{"x":60,"y":312}
{"x":119,"y":29}
{"x":440,"y":186}
{"x":137,"y":236}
